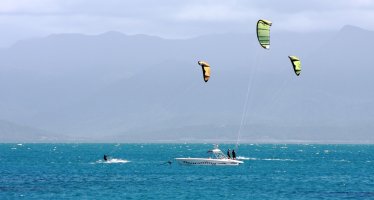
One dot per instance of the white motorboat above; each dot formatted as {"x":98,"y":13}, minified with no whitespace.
{"x":216,"y":158}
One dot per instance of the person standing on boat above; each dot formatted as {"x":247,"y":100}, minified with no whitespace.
{"x":233,"y":154}
{"x":228,"y":154}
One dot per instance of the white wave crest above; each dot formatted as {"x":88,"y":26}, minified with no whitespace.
{"x":117,"y":160}
{"x":342,"y":160}
{"x":114,"y":160}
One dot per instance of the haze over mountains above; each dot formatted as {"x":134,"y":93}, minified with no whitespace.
{"x":115,"y":87}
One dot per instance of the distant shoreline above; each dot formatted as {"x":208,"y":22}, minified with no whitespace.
{"x":275,"y":142}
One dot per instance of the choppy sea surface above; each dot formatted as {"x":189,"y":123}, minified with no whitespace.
{"x":141,"y":171}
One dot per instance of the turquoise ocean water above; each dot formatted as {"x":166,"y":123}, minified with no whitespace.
{"x":76,"y":171}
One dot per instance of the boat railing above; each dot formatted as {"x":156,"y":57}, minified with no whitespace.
{"x":217,"y":154}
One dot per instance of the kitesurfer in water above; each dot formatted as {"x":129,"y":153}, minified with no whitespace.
{"x":233,"y":154}
{"x":228,"y":154}
{"x":105,"y":157}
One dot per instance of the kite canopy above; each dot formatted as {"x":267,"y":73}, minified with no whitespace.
{"x":263,"y":33}
{"x":206,"y":70}
{"x":296,"y":64}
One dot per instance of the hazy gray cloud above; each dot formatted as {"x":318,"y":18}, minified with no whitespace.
{"x":175,"y":19}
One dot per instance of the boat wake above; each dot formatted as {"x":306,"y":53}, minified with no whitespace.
{"x":264,"y":159}
{"x":277,"y":159}
{"x":244,"y":158}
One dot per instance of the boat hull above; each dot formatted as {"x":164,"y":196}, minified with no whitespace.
{"x":208,"y":161}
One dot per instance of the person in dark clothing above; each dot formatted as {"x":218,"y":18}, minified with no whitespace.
{"x":233,"y":154}
{"x":228,"y":154}
{"x":105,"y":157}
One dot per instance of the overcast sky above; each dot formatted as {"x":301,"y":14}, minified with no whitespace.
{"x":22,"y":19}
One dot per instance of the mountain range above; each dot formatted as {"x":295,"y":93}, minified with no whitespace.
{"x":117,"y":87}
